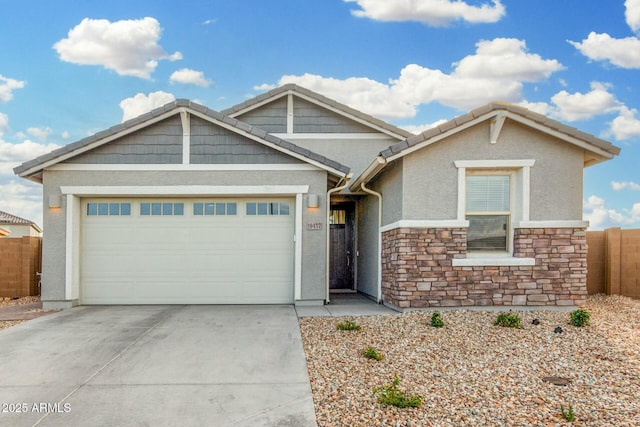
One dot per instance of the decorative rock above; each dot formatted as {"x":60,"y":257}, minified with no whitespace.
{"x":557,"y":380}
{"x":557,"y":330}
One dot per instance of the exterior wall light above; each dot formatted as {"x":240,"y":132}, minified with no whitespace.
{"x":313,"y":201}
{"x":54,"y":200}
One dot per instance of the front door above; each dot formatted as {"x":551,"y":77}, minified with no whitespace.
{"x":341,"y":249}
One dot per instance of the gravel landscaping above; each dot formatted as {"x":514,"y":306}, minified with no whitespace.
{"x":6,"y":302}
{"x":472,"y":373}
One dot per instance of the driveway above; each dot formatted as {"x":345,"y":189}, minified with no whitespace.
{"x":156,"y":366}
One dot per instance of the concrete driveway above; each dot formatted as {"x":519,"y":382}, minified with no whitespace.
{"x":156,"y":366}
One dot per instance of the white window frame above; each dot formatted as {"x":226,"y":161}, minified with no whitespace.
{"x":511,"y":173}
{"x":520,"y":194}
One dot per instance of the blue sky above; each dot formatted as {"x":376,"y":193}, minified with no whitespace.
{"x":72,"y":68}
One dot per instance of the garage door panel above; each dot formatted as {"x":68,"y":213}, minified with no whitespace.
{"x":187,"y":259}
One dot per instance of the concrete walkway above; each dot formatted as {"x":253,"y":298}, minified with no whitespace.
{"x":156,"y":366}
{"x":346,"y":304}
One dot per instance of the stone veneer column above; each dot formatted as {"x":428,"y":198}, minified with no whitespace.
{"x":417,"y":269}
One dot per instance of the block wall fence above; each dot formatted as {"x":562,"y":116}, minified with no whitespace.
{"x":614,"y":262}
{"x":20,"y":260}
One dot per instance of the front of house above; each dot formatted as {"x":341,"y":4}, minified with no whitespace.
{"x":291,"y":195}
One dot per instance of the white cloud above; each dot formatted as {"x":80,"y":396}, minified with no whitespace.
{"x":600,"y":216}
{"x":188,"y":76}
{"x":22,"y":198}
{"x":65,"y":135}
{"x":7,"y":86}
{"x":584,"y":106}
{"x":632,"y":14}
{"x":11,"y":155}
{"x":435,"y":13}
{"x":141,"y":103}
{"x":417,"y":129}
{"x":626,"y":125}
{"x":40,"y":133}
{"x":4,"y":123}
{"x":628,"y":185}
{"x":624,"y":52}
{"x":496,"y":71}
{"x":129,"y":47}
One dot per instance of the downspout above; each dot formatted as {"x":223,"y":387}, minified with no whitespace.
{"x":346,"y":180}
{"x":379,"y":196}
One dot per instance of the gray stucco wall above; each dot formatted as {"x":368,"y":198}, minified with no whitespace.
{"x":356,"y":153}
{"x":313,"y":247}
{"x":430,"y":176}
{"x":368,"y":234}
{"x":390,"y":184}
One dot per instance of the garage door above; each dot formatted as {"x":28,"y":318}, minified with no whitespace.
{"x":187,"y":251}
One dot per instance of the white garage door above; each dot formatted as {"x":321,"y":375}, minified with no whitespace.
{"x":187,"y":251}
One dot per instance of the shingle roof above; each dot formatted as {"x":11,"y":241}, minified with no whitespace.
{"x":7,"y":218}
{"x":280,"y":91}
{"x":500,"y":106}
{"x":179,"y":103}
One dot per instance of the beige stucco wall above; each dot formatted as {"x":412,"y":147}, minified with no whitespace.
{"x":430,"y":176}
{"x":55,"y":220}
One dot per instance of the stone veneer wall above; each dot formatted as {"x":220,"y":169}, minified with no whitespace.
{"x":417,"y":269}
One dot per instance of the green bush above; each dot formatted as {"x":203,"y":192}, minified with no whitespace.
{"x":508,"y":320}
{"x":436,"y":320}
{"x":580,"y":317}
{"x":391,"y":395}
{"x":567,"y":414}
{"x":372,"y":353}
{"x":349,"y":325}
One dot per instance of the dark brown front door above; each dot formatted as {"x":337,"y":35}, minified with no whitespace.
{"x":341,"y":249}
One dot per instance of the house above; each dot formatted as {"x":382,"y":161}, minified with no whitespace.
{"x":18,"y":227}
{"x":291,"y":195}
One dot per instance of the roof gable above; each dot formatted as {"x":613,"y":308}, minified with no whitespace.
{"x":294,"y":109}
{"x":596,"y":149}
{"x":183,"y":108}
{"x":7,"y":218}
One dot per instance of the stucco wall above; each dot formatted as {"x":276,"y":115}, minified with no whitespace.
{"x":355,"y":153}
{"x":313,"y":246}
{"x":368,"y":235}
{"x":390,"y":184}
{"x":430,"y":176}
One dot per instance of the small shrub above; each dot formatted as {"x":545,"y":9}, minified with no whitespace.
{"x":436,"y":320}
{"x":391,"y":395}
{"x":567,"y":414}
{"x":508,"y":320}
{"x":372,"y":353}
{"x":349,"y":325}
{"x":580,"y":317}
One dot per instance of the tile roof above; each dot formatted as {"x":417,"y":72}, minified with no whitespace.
{"x":7,"y":218}
{"x":496,"y":107}
{"x":179,"y":103}
{"x":282,"y":90}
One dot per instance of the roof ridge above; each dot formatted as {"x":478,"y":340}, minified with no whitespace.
{"x":168,"y":107}
{"x":14,"y":219}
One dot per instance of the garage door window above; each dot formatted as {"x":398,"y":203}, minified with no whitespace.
{"x":215,"y":208}
{"x":264,"y":208}
{"x":108,"y":209}
{"x":161,"y":209}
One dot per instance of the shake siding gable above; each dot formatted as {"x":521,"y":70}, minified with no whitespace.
{"x":271,"y":117}
{"x":160,"y":143}
{"x":212,"y":144}
{"x":311,"y":118}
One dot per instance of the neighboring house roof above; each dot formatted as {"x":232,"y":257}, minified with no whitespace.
{"x":32,"y":169}
{"x":596,"y":149}
{"x":8,"y":219}
{"x":342,"y":109}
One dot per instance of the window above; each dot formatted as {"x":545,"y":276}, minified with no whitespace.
{"x":214,"y":208}
{"x":265,"y":208}
{"x":488,"y":211}
{"x":108,"y":209}
{"x":161,"y":209}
